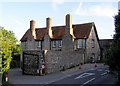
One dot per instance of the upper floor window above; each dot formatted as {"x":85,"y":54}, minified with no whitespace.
{"x":79,"y":44}
{"x":54,"y":43}
{"x":93,"y":43}
{"x":60,"y":43}
{"x":39,"y":44}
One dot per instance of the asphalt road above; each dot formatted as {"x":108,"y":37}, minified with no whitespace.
{"x":92,"y":77}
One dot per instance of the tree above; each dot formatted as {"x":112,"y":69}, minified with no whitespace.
{"x":16,"y":56}
{"x":114,"y":51}
{"x":8,"y":43}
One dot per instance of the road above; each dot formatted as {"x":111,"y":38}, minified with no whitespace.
{"x":92,"y":77}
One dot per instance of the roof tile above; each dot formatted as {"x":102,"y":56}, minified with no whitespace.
{"x":79,"y":30}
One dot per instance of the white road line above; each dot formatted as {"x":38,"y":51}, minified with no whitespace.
{"x":88,"y":81}
{"x":107,"y":70}
{"x":104,"y":73}
{"x":99,"y":70}
{"x":85,"y":75}
{"x":92,"y":69}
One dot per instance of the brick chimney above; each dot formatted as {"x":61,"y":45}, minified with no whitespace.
{"x":69,"y":24}
{"x":49,"y":29}
{"x":32,"y":28}
{"x":48,"y":34}
{"x":68,"y":21}
{"x":67,"y":38}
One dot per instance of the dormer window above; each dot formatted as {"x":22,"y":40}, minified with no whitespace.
{"x":54,"y":43}
{"x":60,"y":43}
{"x":39,"y":44}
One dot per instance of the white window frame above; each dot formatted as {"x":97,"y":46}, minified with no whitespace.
{"x":83,"y":43}
{"x":79,"y":43}
{"x":60,"y":43}
{"x":39,"y":44}
{"x":54,"y":43}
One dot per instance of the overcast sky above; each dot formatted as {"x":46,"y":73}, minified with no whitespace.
{"x":15,"y":15}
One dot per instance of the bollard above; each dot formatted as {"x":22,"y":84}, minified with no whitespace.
{"x":95,"y":64}
{"x":6,"y":78}
{"x":37,"y":71}
{"x":80,"y":67}
{"x":41,"y":72}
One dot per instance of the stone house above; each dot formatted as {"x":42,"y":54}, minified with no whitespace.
{"x":60,"y":47}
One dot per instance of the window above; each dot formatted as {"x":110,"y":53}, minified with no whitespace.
{"x":93,"y":43}
{"x":79,"y":45}
{"x":93,"y":57}
{"x":39,"y":44}
{"x":60,"y":43}
{"x":54,"y":43}
{"x":84,"y":45}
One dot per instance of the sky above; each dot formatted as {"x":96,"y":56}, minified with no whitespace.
{"x":15,"y":15}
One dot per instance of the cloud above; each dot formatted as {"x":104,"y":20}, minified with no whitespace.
{"x":96,"y":10}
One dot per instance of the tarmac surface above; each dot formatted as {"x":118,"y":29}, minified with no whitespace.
{"x":15,"y":75}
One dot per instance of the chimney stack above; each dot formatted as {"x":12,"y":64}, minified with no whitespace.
{"x":67,"y":37}
{"x":68,"y":21}
{"x":32,"y":28}
{"x":47,"y":36}
{"x":48,"y":24}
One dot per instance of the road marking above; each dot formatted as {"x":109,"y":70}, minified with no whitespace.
{"x":88,"y":81}
{"x":99,"y":70}
{"x":85,"y":75}
{"x":92,"y":69}
{"x":104,"y":73}
{"x":107,"y":70}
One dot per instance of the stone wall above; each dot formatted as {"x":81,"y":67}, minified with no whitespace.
{"x":30,"y":64}
{"x":32,"y":61}
{"x":59,"y":60}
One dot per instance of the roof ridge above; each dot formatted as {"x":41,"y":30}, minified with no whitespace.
{"x":84,"y":23}
{"x":64,"y":25}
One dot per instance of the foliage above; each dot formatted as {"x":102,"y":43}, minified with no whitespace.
{"x":8,"y":44}
{"x":113,"y":55}
{"x":15,"y":63}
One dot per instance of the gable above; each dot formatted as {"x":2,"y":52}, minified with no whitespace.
{"x":93,"y":34}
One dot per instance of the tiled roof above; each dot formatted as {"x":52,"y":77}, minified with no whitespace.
{"x":79,"y":31}
{"x":58,"y":32}
{"x":82,"y":30}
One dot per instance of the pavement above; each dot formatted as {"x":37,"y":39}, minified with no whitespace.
{"x":15,"y":75}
